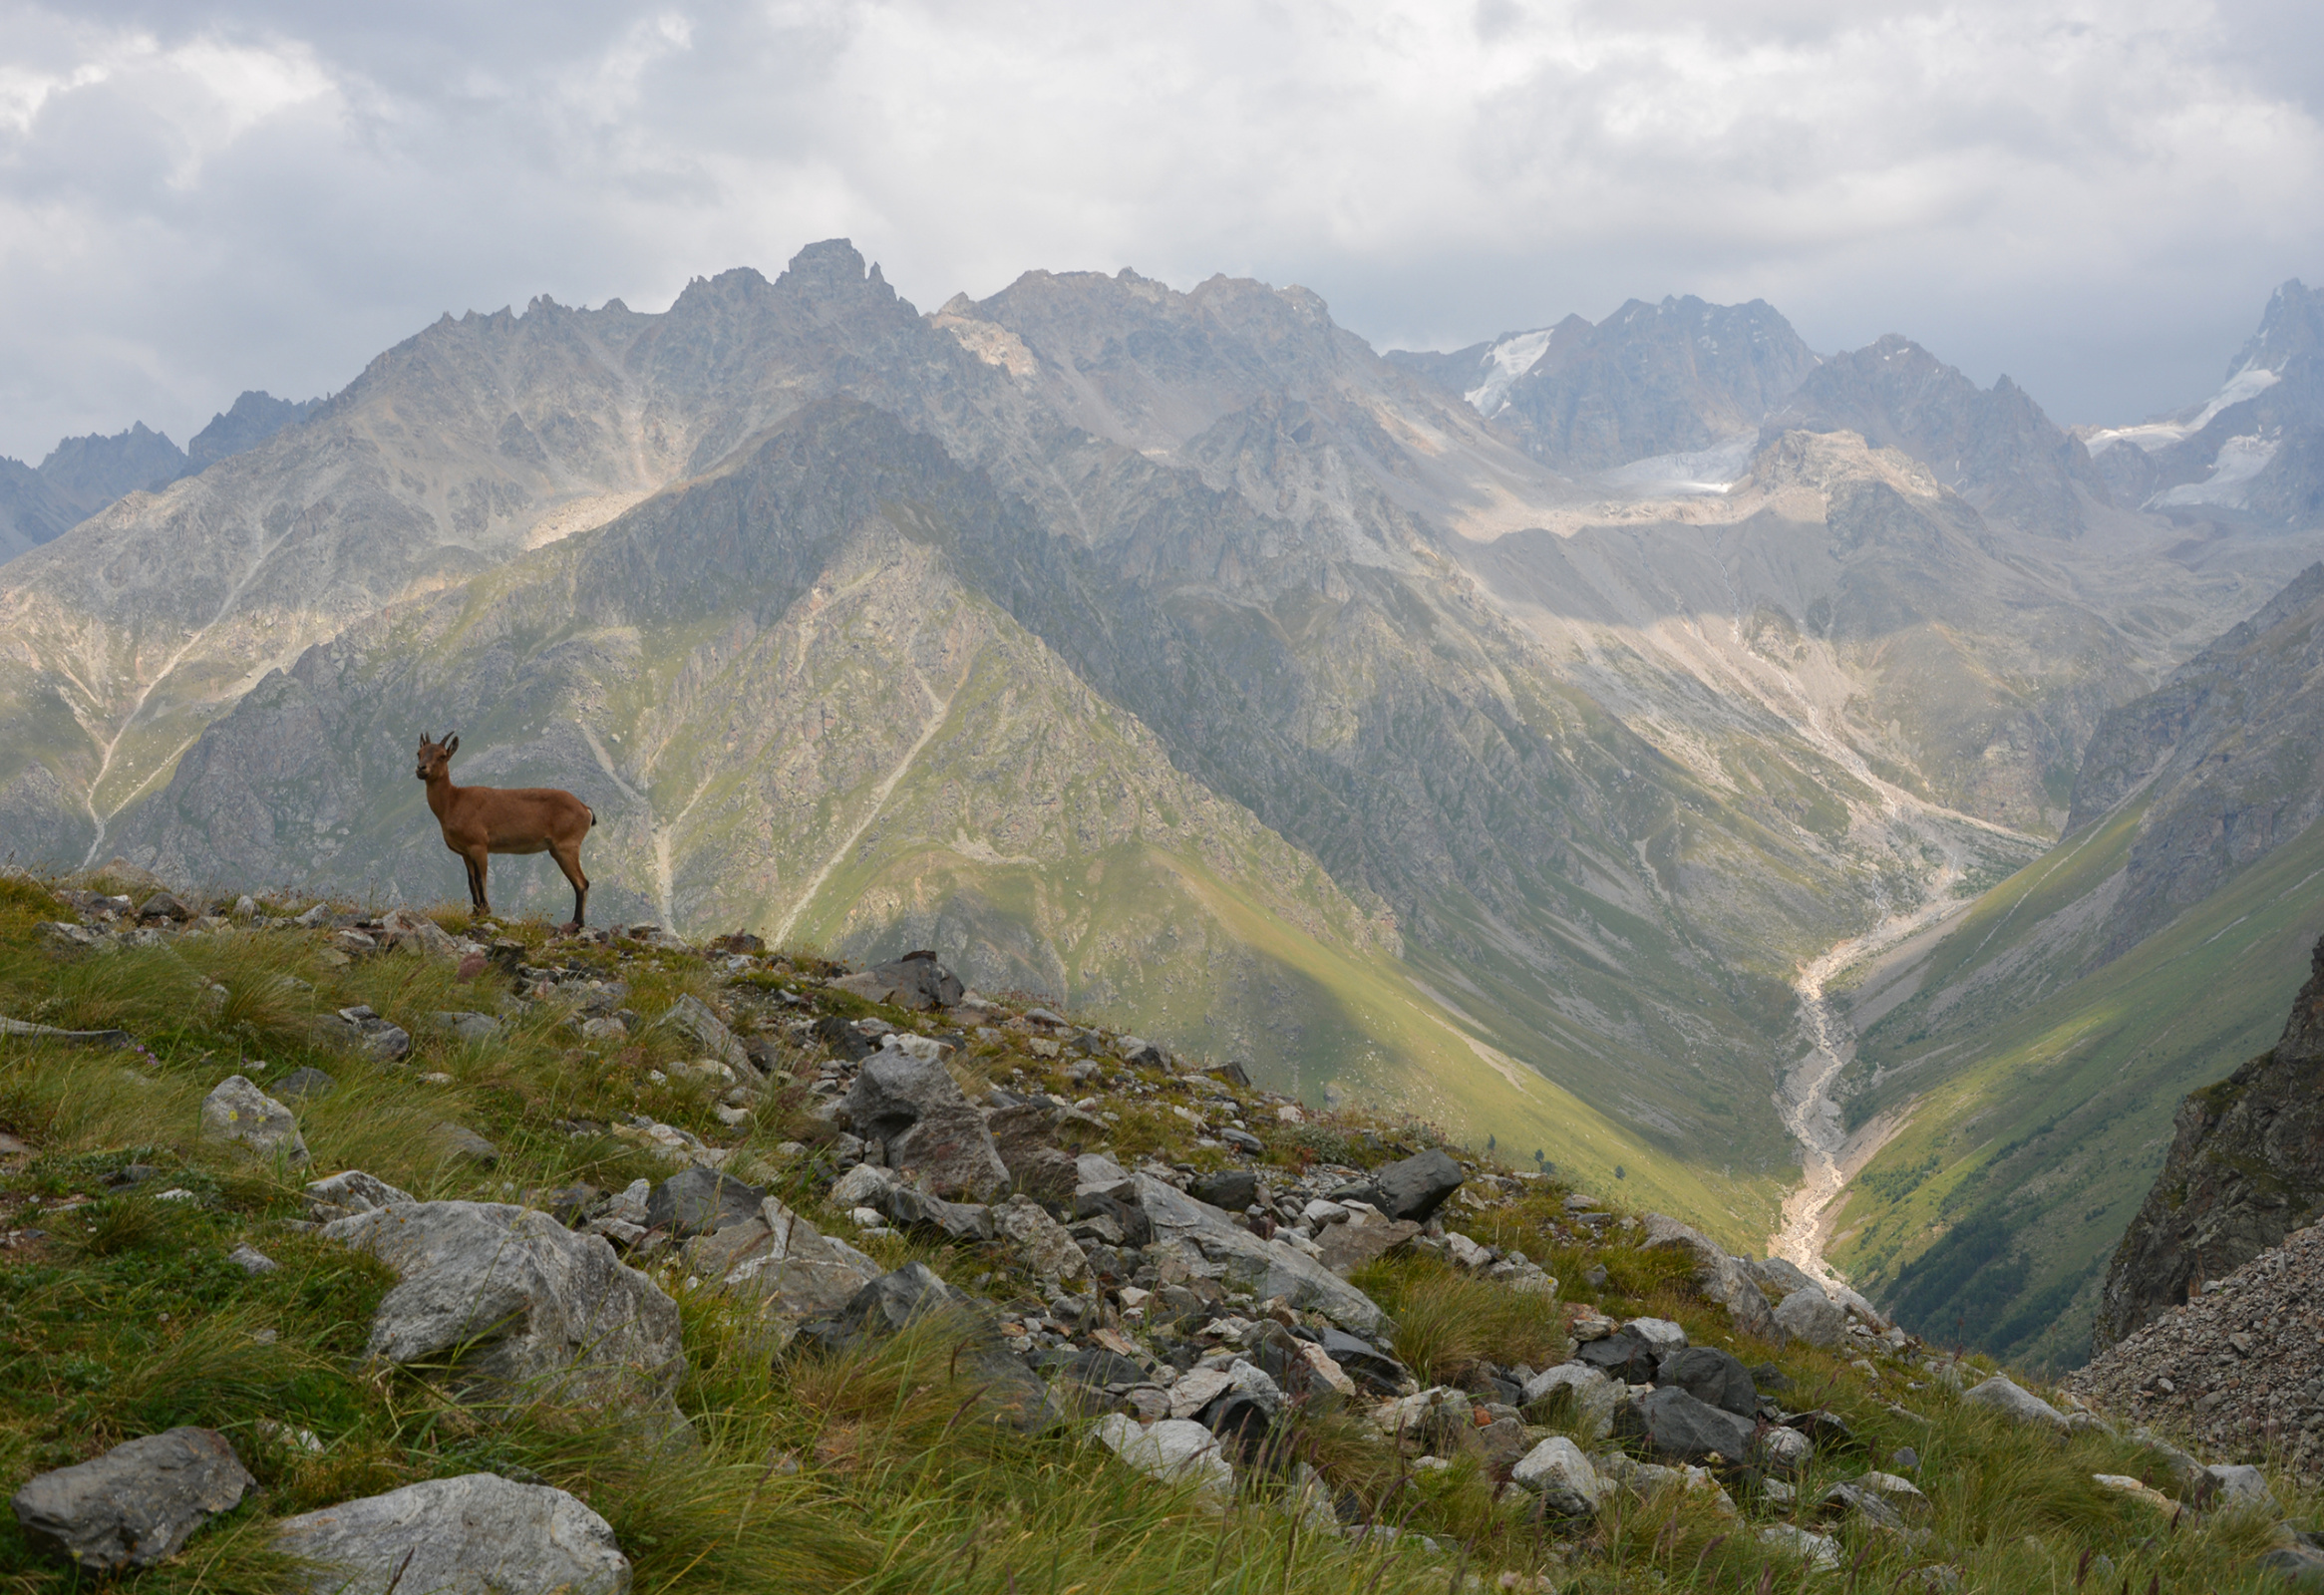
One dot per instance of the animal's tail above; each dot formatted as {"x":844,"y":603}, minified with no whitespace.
{"x":592,"y":817}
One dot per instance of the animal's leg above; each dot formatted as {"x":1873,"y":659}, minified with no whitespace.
{"x":568,"y":859}
{"x":479,"y":861}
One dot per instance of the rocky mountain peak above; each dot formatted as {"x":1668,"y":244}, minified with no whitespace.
{"x":1992,"y":445}
{"x":254,"y":417}
{"x":90,"y":472}
{"x":1651,"y":379}
{"x":2291,"y":327}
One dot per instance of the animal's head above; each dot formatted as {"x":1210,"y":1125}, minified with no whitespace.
{"x":435,"y":758}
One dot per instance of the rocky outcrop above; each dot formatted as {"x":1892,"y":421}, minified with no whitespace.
{"x":2238,"y":1369}
{"x":525,"y":1308}
{"x":478,"y":1534}
{"x":2244,"y":1170}
{"x":135,"y":1505}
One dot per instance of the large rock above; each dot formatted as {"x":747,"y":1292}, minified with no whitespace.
{"x":2006,"y":1396}
{"x":690,"y":1017}
{"x":135,"y":1505}
{"x":478,"y":1534}
{"x":1211,"y":1242}
{"x":1717,"y":1277}
{"x":239,"y":1114}
{"x":1039,"y":1240}
{"x":1344,"y":1248}
{"x":1176,"y":1450}
{"x":701,"y":1202}
{"x":914,"y":1113}
{"x":781,"y":1260}
{"x":2244,"y":1170}
{"x":1678,"y":1426}
{"x":968,"y":1224}
{"x":525,"y":1307}
{"x":1593,"y":1395}
{"x":1711,"y":1375}
{"x":352,"y":1191}
{"x":1558,"y":1473}
{"x":915,"y":981}
{"x":1808,"y":1314}
{"x":1623,"y":1354}
{"x":1037,"y":1142}
{"x":1416,"y":1187}
{"x":416,"y":932}
{"x":116,"y":1039}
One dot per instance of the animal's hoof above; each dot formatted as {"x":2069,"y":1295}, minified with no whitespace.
{"x":569,"y":927}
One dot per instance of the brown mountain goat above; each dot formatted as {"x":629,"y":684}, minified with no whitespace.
{"x":480,"y":821}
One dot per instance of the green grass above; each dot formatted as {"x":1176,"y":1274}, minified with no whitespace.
{"x":875,"y":1470}
{"x":2036,"y":1128}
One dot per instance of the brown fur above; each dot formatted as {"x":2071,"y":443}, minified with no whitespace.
{"x":478,"y":822}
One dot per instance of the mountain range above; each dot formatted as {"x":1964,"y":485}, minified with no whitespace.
{"x":82,"y":475}
{"x":1507,"y":734}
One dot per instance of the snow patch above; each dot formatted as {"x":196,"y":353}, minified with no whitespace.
{"x":1712,"y":469}
{"x":2239,"y":459}
{"x":1504,"y":363}
{"x":2248,"y":383}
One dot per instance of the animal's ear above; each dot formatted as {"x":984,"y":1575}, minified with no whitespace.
{"x":452,"y":746}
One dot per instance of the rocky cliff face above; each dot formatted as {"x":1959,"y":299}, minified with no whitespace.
{"x":1649,"y":380}
{"x":2245,"y":1169}
{"x":92,"y":472}
{"x":1993,"y":445}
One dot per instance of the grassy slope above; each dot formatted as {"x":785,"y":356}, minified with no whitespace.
{"x":126,"y":1317}
{"x":2002,"y":1201}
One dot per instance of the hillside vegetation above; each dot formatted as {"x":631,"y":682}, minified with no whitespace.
{"x":163,"y":1267}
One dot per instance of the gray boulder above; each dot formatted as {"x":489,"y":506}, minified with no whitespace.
{"x":1677,"y":1425}
{"x":1416,"y":1187}
{"x":28,"y":1030}
{"x":1214,"y":1245}
{"x":2005,"y":1396}
{"x":1710,"y":1375}
{"x":349,"y":1192}
{"x":239,"y":1114}
{"x":478,"y":1534}
{"x":368,"y":1033}
{"x":701,"y":1202}
{"x":968,"y":1224}
{"x":1809,"y":1315}
{"x":1558,"y":1473}
{"x":1039,"y":1240}
{"x":416,"y":932}
{"x":1623,"y":1354}
{"x":915,"y":981}
{"x":466,"y":1025}
{"x":135,"y":1505}
{"x":1593,"y":1395}
{"x":1176,"y":1450}
{"x":691,"y":1018}
{"x":526,"y":1307}
{"x":783,"y":1262}
{"x":912,"y":1108}
{"x":2242,"y":1487}
{"x":1717,"y":1277}
{"x":301,"y":1084}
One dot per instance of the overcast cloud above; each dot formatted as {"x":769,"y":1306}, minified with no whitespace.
{"x":2097,"y":198}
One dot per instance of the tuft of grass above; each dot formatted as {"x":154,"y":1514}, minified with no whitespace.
{"x":1447,"y":1322}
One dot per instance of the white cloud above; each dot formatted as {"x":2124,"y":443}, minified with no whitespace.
{"x":2097,"y":198}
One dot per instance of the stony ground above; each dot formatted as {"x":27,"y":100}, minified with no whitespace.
{"x":2240,"y":1368}
{"x":342,"y":1251}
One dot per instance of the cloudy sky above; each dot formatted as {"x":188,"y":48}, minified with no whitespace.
{"x":2094,"y":196}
